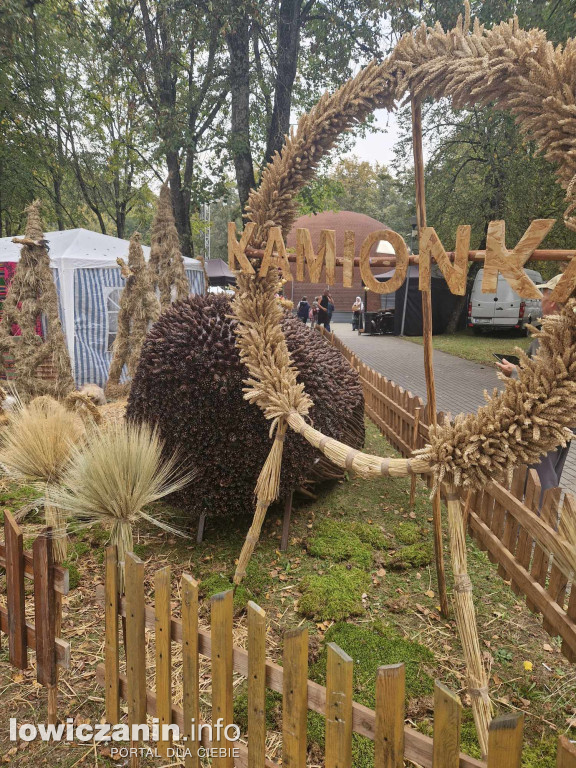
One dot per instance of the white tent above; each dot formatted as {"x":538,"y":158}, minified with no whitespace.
{"x":89,"y":285}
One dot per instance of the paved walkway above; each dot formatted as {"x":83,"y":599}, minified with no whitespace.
{"x":460,"y":384}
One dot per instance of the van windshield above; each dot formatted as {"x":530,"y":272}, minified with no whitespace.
{"x":504,"y":291}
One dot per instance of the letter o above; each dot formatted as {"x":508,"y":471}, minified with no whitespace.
{"x":402,"y":261}
{"x":27,"y":732}
{"x":236,"y":732}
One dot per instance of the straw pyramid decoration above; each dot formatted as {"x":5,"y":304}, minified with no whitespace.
{"x":32,"y":295}
{"x":139,"y":307}
{"x":166,"y":264}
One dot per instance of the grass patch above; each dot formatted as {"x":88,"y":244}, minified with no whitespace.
{"x":407,"y":533}
{"x":337,"y":542}
{"x":334,"y":595}
{"x":478,"y":349}
{"x":416,"y":555}
{"x":370,"y":647}
{"x":370,"y":534}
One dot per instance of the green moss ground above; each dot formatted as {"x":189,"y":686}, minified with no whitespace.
{"x":358,"y":572}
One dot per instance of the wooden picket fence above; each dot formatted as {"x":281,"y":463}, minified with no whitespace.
{"x":49,"y":581}
{"x":393,"y":741}
{"x":503,"y":520}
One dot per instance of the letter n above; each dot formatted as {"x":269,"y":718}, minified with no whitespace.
{"x":431,"y":247}
{"x":305,"y":254}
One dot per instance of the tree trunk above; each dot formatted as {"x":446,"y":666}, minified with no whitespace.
{"x":238,"y":42}
{"x":181,"y":208}
{"x":289,"y":23}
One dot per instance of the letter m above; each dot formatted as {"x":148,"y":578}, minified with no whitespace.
{"x":305,"y":255}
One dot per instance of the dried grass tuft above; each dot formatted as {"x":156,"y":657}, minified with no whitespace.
{"x":115,"y":476}
{"x":35,"y":448}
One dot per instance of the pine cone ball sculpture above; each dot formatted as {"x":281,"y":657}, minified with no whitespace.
{"x":189,"y":383}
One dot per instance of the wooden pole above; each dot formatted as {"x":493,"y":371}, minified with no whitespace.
{"x":427,"y":339}
{"x":414,"y":446}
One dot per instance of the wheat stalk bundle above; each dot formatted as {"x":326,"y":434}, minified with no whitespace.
{"x":519,"y":425}
{"x":139,"y":307}
{"x":31,"y":295}
{"x":114,"y":477}
{"x":35,"y":447}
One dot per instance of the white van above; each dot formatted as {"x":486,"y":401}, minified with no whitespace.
{"x":503,"y":310}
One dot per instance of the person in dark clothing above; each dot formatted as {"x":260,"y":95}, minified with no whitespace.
{"x":303,"y":310}
{"x":326,"y":310}
{"x":550,"y":466}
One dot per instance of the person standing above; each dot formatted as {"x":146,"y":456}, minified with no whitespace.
{"x":357,"y":309}
{"x":550,"y":466}
{"x":325,"y":310}
{"x":303,"y":310}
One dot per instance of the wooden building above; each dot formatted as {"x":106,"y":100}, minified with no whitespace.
{"x":339,"y":221}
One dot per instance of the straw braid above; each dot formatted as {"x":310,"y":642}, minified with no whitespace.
{"x":518,"y":70}
{"x":273,"y":384}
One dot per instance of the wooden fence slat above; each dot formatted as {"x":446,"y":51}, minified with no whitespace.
{"x":541,"y":558}
{"x":338,"y":708}
{"x":557,"y":583}
{"x":61,"y":576}
{"x":111,"y":641}
{"x":44,"y":610}
{"x":190,"y":667}
{"x":447,"y":714}
{"x":558,"y":618}
{"x":505,"y":741}
{"x":222,"y":666}
{"x":256,"y":686}
{"x":566,"y":755}
{"x":178,"y":719}
{"x":570,"y":650}
{"x":389,"y":729}
{"x":135,"y":639}
{"x":510,"y":531}
{"x":15,"y":593}
{"x":163,"y":655}
{"x":525,"y":540}
{"x":61,"y":647}
{"x":295,"y":698}
{"x":418,"y":746}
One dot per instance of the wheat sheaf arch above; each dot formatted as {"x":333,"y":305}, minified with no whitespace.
{"x":517,"y":70}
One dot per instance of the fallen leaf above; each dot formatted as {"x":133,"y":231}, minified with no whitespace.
{"x":429,"y":594}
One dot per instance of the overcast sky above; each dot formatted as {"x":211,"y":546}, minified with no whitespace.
{"x":377,"y":146}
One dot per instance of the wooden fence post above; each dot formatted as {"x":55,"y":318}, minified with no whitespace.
{"x":505,"y":741}
{"x":389,"y":728}
{"x":45,"y":619}
{"x":15,"y":594}
{"x":295,"y":698}
{"x":190,"y":667}
{"x":256,"y":686}
{"x":566,"y":756}
{"x":111,"y":643}
{"x":338,"y":708}
{"x":222,"y":664}
{"x":135,"y":644}
{"x":447,"y":714}
{"x":163,"y":620}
